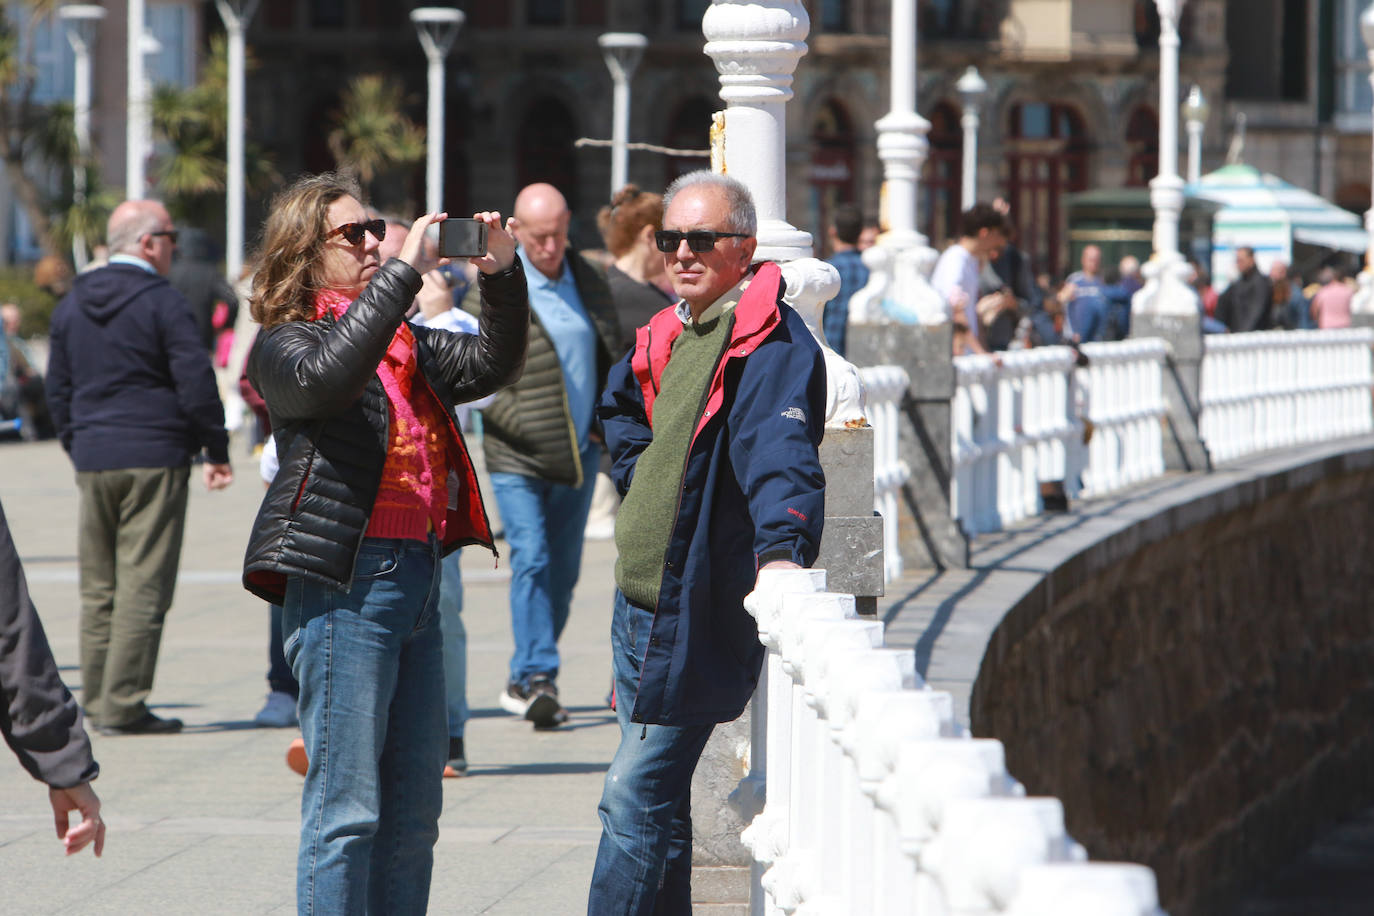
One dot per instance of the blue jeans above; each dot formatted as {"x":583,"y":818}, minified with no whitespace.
{"x":644,"y":861}
{"x":279,"y":676}
{"x":455,"y":643}
{"x":544,"y":525}
{"x":371,"y":670}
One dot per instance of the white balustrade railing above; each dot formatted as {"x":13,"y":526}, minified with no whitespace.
{"x":886,"y":386}
{"x":1019,"y":421}
{"x":1013,"y":426}
{"x":1275,"y":389}
{"x":876,"y":802}
{"x":1121,"y":397}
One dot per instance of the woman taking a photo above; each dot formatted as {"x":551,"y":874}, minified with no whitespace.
{"x":375,"y":486}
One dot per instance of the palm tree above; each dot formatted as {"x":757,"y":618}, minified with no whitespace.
{"x":373,"y":136}
{"x":22,"y":121}
{"x":193,"y":125}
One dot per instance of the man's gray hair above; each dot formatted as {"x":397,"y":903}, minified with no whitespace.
{"x":127,"y":227}
{"x":740,"y":216}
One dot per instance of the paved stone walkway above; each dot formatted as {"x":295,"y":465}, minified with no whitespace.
{"x":205,"y":822}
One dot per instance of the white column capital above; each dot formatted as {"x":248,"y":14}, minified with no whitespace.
{"x":755,"y":45}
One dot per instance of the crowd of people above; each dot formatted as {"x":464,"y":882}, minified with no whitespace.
{"x":659,"y":392}
{"x":675,"y":349}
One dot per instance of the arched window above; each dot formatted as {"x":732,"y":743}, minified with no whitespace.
{"x":1142,"y":145}
{"x":832,"y":166}
{"x":690,"y":128}
{"x":942,"y":178}
{"x":545,"y":143}
{"x":1047,"y":157}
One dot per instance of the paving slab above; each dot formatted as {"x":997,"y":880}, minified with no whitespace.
{"x":206,"y":821}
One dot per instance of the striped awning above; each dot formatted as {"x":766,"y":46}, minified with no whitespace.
{"x":1268,"y":214}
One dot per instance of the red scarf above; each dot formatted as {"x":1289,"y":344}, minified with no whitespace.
{"x":398,"y":368}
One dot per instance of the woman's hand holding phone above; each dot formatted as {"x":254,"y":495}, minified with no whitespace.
{"x":500,"y":243}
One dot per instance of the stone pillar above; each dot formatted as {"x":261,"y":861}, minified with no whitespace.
{"x":929,"y":536}
{"x":1184,"y":449}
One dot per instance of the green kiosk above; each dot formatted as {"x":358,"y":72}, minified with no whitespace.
{"x":1121,"y":221}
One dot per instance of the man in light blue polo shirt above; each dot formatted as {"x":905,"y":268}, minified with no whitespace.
{"x":541,"y":447}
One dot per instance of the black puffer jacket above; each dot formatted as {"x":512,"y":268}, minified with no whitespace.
{"x":330,"y":415}
{"x":528,"y":428}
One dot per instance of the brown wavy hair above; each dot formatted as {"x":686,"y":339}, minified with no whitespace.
{"x":629,"y":212}
{"x":292,"y":247}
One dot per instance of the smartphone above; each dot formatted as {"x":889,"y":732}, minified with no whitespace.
{"x":462,"y":238}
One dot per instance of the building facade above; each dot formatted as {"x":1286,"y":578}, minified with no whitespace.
{"x":1071,"y":104}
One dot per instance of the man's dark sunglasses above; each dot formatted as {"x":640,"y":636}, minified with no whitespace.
{"x":354,"y":233}
{"x":698,"y":240}
{"x":170,"y":234}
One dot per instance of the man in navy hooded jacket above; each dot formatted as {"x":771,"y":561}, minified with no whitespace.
{"x":133,"y":397}
{"x":713,"y":423}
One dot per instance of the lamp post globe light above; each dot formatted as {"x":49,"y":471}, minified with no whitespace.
{"x":1195,"y":111}
{"x":236,"y":15}
{"x":622,"y":52}
{"x":80,"y":21}
{"x":972,"y":88}
{"x":1363,"y":302}
{"x":437,"y":28}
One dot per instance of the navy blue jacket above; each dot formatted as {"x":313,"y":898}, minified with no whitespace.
{"x":752,"y":491}
{"x":129,"y":382}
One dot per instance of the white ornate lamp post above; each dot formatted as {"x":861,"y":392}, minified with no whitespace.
{"x":1363,"y":302}
{"x":1195,"y":111}
{"x":756,"y":47}
{"x":236,"y":15}
{"x":136,"y":135}
{"x":899,"y":264}
{"x":972,"y":87}
{"x":81,"y":21}
{"x":622,"y":52}
{"x":437,"y":27}
{"x":1165,"y":290}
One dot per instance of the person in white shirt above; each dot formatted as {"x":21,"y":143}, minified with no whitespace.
{"x":982,"y":235}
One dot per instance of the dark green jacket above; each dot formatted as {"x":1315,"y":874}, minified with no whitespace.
{"x":527,"y":429}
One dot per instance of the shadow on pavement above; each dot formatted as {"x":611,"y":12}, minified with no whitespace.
{"x":537,"y":769}
{"x":230,"y":726}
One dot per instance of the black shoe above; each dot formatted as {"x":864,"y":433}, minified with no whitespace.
{"x":457,"y":760}
{"x":149,"y":724}
{"x":538,"y":702}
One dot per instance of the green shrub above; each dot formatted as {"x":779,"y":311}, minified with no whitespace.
{"x":35,"y":302}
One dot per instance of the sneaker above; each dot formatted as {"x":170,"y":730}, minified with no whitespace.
{"x":278,"y":712}
{"x":457,"y":761}
{"x":296,"y":757}
{"x":538,"y":702}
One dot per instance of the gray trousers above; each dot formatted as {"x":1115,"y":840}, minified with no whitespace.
{"x":128,"y":547}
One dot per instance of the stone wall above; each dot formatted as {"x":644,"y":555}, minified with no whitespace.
{"x":1199,"y":689}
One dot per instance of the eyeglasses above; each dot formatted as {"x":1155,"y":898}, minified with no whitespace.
{"x":169,"y":234}
{"x":698,"y":240}
{"x":354,"y":233}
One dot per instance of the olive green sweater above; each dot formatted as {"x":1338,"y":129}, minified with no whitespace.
{"x":645,"y":522}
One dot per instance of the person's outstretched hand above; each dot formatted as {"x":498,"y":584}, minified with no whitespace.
{"x":415,"y":238}
{"x":500,"y":243}
{"x":80,"y":798}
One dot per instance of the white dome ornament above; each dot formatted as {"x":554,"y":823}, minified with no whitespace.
{"x":809,"y":284}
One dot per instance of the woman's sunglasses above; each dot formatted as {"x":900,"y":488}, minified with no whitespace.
{"x":354,"y":233}
{"x":698,"y":240}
